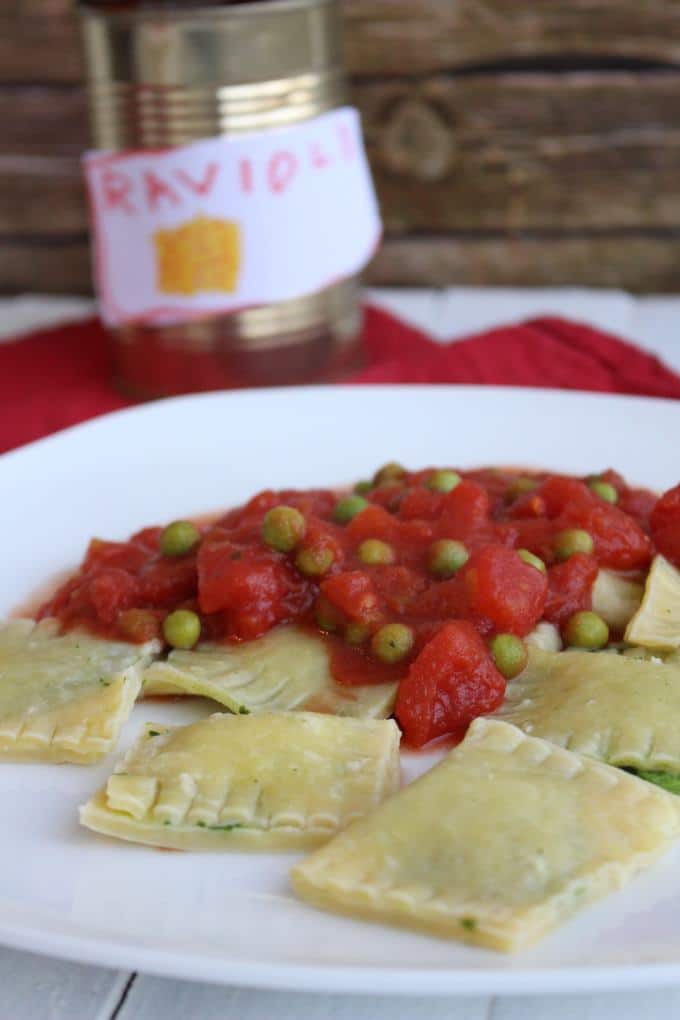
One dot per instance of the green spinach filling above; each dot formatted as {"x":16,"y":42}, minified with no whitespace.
{"x":666,"y":780}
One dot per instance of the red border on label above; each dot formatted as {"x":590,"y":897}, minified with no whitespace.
{"x":177,"y":314}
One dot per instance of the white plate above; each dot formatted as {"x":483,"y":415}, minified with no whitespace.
{"x":231,"y":918}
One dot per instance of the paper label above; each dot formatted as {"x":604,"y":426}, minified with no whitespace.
{"x":231,"y":222}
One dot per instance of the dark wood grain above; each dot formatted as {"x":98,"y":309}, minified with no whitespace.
{"x":541,"y":151}
{"x":38,"y":38}
{"x":494,"y":164}
{"x":639,"y":263}
{"x":41,"y":195}
{"x":45,"y":265}
{"x":635,"y":262}
{"x":38,"y":47}
{"x":479,"y":153}
{"x":387,"y":36}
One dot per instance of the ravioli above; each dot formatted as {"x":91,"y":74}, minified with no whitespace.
{"x":279,"y":781}
{"x":616,"y":598}
{"x":64,"y":698}
{"x":284,"y":670}
{"x":545,"y":636}
{"x":656,"y":624}
{"x":617,"y":708}
{"x":499,"y":843}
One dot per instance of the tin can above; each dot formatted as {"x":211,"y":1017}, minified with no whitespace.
{"x":161,"y":77}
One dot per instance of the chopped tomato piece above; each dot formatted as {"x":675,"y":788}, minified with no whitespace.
{"x":464,"y":510}
{"x":255,"y":588}
{"x":665,"y":524}
{"x":422,"y":504}
{"x":528,"y":504}
{"x":570,"y":586}
{"x":110,"y":592}
{"x":639,"y":503}
{"x":147,"y":539}
{"x":387,"y":496}
{"x":373,"y":522}
{"x":535,"y":534}
{"x":503,"y":588}
{"x":354,"y":594}
{"x":399,"y":587}
{"x":559,"y":492}
{"x":620,"y":542}
{"x":442,"y":601}
{"x":116,"y":555}
{"x":451,"y":682}
{"x":168,"y":581}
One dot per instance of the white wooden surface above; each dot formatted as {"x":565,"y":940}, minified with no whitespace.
{"x":36,"y":988}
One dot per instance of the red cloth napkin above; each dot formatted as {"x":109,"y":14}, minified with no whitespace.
{"x":59,"y":377}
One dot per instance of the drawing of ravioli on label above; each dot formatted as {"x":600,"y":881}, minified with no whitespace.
{"x":200,"y":255}
{"x":231,"y":222}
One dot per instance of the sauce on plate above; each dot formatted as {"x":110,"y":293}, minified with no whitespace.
{"x":411,"y":577}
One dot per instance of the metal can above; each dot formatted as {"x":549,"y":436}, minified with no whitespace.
{"x":161,"y":77}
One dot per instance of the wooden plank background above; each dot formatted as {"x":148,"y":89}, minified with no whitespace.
{"x":512,"y":141}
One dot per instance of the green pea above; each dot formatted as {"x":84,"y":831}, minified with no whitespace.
{"x":586,"y":629}
{"x":519,"y":486}
{"x":603,"y":489}
{"x":356,"y":633}
{"x":443,"y":481}
{"x":392,"y":642}
{"x":179,"y":538}
{"x":314,"y":562}
{"x":571,"y":541}
{"x":361,"y":488}
{"x":182,"y":629}
{"x":373,"y":552}
{"x":509,"y":653}
{"x":446,"y":556}
{"x":533,"y":561}
{"x":283,"y":528}
{"x":388,"y":473}
{"x":348,"y":507}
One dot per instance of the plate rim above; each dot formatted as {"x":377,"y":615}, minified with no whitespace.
{"x":151,"y":406}
{"x":46,"y":934}
{"x":131,"y":954}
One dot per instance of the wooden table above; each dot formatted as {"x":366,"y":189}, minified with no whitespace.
{"x":512,"y":142}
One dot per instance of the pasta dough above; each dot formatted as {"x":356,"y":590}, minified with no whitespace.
{"x":656,"y":624}
{"x":263,"y":782}
{"x":286,"y":669}
{"x":616,"y":708}
{"x":496,"y":845}
{"x":64,"y":697}
{"x":616,"y":598}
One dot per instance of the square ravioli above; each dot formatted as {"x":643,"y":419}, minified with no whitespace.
{"x":656,"y":624}
{"x":496,"y":845}
{"x":64,"y":697}
{"x":285,"y":670}
{"x":279,"y":781}
{"x":621,"y":710}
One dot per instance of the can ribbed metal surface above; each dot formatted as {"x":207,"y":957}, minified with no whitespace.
{"x":163,"y":76}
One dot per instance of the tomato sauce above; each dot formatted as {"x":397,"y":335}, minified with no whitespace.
{"x":241,"y":587}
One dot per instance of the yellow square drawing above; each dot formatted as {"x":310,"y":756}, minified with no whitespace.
{"x":200,"y":255}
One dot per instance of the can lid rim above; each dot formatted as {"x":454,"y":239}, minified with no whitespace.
{"x":238,"y":11}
